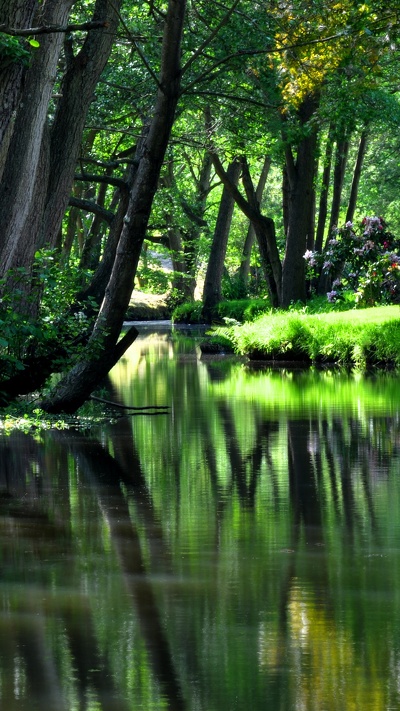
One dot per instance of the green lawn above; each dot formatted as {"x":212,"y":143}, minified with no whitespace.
{"x":358,"y":337}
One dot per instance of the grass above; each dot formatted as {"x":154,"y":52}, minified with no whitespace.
{"x":360,"y":338}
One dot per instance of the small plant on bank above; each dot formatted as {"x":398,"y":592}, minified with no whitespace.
{"x":362,"y":260}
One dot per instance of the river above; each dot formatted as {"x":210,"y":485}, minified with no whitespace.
{"x":239,"y":549}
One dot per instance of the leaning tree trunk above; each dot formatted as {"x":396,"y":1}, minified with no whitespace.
{"x":72,"y":391}
{"x":300,"y":173}
{"x":77,"y":92}
{"x":212,"y":292}
{"x":244,"y":268}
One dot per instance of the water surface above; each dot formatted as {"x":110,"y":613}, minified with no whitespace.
{"x":241,"y":551}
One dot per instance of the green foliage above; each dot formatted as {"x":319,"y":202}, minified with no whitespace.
{"x":14,"y":50}
{"x":188,"y":313}
{"x":242,"y":309}
{"x":357,"y":338}
{"x":237,"y":310}
{"x":34,"y":311}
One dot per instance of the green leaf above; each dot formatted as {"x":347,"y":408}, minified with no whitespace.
{"x":34,"y":43}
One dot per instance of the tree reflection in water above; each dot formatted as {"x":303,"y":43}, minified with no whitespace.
{"x":242,"y":552}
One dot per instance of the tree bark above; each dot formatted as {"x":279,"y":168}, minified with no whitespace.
{"x":77,"y":90}
{"x":27,"y":164}
{"x":213,"y":282}
{"x":300,"y":173}
{"x":72,"y":391}
{"x":18,"y":14}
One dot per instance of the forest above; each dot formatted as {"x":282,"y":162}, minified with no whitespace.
{"x":249,"y":146}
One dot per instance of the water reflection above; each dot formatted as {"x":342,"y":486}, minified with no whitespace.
{"x":241,"y":551}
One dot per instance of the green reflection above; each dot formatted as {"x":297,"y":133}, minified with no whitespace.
{"x":242,"y":551}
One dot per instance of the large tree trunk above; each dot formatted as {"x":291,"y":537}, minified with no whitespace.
{"x":300,"y":173}
{"x":40,"y":163}
{"x":76,"y":386}
{"x":77,"y":90}
{"x":18,"y":14}
{"x":213,"y":281}
{"x":26,"y":168}
{"x":356,"y":177}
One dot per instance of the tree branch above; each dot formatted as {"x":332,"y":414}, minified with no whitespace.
{"x":51,"y":29}
{"x":108,"y":179}
{"x":90,"y":206}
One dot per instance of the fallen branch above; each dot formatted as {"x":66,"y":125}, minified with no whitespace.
{"x":128,"y":407}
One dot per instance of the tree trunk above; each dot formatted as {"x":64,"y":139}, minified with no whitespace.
{"x":192,"y":236}
{"x":323,"y":200}
{"x":77,"y":89}
{"x":213,"y":281}
{"x":72,"y":391}
{"x":356,"y":176}
{"x":300,"y":173}
{"x":264,"y":228}
{"x":342,"y":150}
{"x":27,"y":164}
{"x":244,"y":268}
{"x":19,"y":14}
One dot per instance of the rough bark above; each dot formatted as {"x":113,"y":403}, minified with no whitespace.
{"x":20,"y":200}
{"x":77,"y":385}
{"x":77,"y":91}
{"x":300,"y":173}
{"x":18,"y":14}
{"x":356,"y":176}
{"x":212,"y":292}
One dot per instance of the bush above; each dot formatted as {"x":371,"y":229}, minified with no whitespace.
{"x":188,"y":313}
{"x":363,"y":260}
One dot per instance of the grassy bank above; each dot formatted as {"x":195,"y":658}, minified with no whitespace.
{"x":358,"y":337}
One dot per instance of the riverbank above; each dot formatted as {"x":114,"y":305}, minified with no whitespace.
{"x":361,"y":338}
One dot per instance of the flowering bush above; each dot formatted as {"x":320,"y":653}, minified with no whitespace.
{"x":364,"y":260}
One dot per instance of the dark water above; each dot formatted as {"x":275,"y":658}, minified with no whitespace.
{"x":240,"y":552}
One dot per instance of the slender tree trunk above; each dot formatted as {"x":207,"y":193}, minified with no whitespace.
{"x":213,"y":281}
{"x":356,"y":176}
{"x":342,"y":150}
{"x":76,"y":386}
{"x":244,"y":268}
{"x":323,"y":200}
{"x":192,"y":236}
{"x":301,"y":173}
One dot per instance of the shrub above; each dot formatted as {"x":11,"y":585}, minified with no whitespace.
{"x":363,"y":260}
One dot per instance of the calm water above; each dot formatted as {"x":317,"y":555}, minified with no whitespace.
{"x":240,"y":552}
